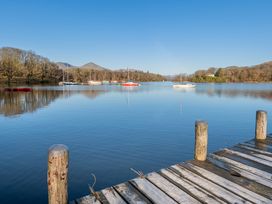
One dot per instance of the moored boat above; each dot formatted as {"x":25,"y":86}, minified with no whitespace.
{"x":105,"y":82}
{"x":184,"y":86}
{"x":63,"y":83}
{"x":130,"y":83}
{"x":94,"y":83}
{"x":22,"y":89}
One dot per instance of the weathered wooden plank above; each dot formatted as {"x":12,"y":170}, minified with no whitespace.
{"x":250,"y":157}
{"x":259,"y":155}
{"x":261,"y":144}
{"x":236,"y":178}
{"x":254,"y":149}
{"x":199,"y":193}
{"x":130,"y":194}
{"x":170,"y":189}
{"x":88,"y":200}
{"x":209,"y":186}
{"x":233,"y":187}
{"x":269,"y":139}
{"x":151,"y":191}
{"x":244,"y":161}
{"x":258,"y":145}
{"x":112,"y":196}
{"x":249,"y":172}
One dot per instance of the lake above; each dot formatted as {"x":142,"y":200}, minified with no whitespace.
{"x":110,"y":129}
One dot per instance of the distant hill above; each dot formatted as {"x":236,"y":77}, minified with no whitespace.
{"x":64,"y":65}
{"x":93,"y":66}
{"x":90,"y":65}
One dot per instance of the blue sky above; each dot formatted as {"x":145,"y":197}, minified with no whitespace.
{"x":170,"y":36}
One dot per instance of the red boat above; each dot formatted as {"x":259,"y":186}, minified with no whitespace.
{"x":22,"y":89}
{"x":130,"y":84}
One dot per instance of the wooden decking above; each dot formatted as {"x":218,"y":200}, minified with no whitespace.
{"x":241,"y":174}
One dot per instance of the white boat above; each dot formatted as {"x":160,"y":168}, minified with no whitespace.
{"x":94,"y":83}
{"x":105,"y":82}
{"x":184,"y":86}
{"x":63,"y":83}
{"x":114,"y":82}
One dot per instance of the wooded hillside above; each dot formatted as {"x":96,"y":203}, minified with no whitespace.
{"x":20,"y":66}
{"x":256,"y":73}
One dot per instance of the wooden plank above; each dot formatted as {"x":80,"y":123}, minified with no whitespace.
{"x":254,"y":149}
{"x":249,"y":172}
{"x":170,"y":189}
{"x":269,"y":140}
{"x":260,"y":155}
{"x":112,"y":196}
{"x":151,"y":191}
{"x":88,"y":200}
{"x":130,"y":194}
{"x":220,"y":192}
{"x":250,"y":157}
{"x":258,"y":145}
{"x":261,"y":144}
{"x":233,"y":187}
{"x":244,"y":161}
{"x":192,"y":189}
{"x":236,"y":178}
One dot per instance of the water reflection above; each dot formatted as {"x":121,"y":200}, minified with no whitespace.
{"x":264,"y":94}
{"x":17,"y":103}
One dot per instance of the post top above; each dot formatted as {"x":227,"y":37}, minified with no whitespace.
{"x":201,"y":122}
{"x":261,"y":111}
{"x":58,"y":149}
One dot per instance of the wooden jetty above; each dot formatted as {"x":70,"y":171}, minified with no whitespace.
{"x":240,"y":174}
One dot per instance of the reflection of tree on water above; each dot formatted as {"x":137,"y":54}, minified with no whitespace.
{"x":92,"y":94}
{"x":16,"y":103}
{"x":265,"y":94}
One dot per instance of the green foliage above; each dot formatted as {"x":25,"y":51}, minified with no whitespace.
{"x":257,"y":73}
{"x":202,"y":79}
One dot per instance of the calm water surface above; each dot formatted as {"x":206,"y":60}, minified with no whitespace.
{"x":110,"y":129}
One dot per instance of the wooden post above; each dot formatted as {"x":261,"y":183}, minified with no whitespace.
{"x":201,"y":140}
{"x":261,"y":125}
{"x":57,"y":174}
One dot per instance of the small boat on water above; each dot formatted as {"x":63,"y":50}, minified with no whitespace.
{"x":115,"y":83}
{"x":105,"y":82}
{"x":130,"y":83}
{"x":21,"y":89}
{"x":64,"y":83}
{"x":184,"y":86}
{"x":94,"y":83}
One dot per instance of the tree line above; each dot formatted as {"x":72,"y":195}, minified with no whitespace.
{"x":20,"y":66}
{"x":233,"y":74}
{"x":84,"y":75}
{"x":25,"y":66}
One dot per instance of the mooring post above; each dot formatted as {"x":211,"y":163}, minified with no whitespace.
{"x":201,"y":140}
{"x":261,"y":125}
{"x":57,"y":174}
